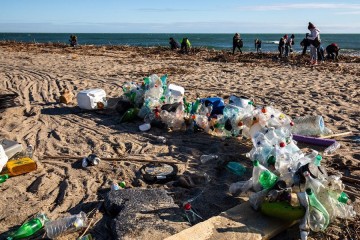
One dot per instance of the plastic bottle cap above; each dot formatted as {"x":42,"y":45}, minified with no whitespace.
{"x":343,"y":198}
{"x":240,"y":124}
{"x":256,"y":163}
{"x":122,"y":184}
{"x":187,"y":206}
{"x":292,"y":123}
{"x":263,"y":110}
{"x":282,"y":144}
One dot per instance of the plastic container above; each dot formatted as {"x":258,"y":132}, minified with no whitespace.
{"x":176,"y":91}
{"x":89,"y":99}
{"x":217,"y":103}
{"x":20,"y":166}
{"x":3,"y":158}
{"x":68,"y":224}
{"x":11,"y":147}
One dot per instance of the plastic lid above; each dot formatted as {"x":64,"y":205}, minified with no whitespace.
{"x":256,"y":163}
{"x":282,"y":144}
{"x":309,"y":191}
{"x":263,"y":110}
{"x":122,"y":184}
{"x":292,"y":123}
{"x":187,"y":206}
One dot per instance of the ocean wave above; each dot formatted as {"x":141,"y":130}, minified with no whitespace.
{"x":271,"y":42}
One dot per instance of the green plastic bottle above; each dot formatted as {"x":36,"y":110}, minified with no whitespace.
{"x":195,"y":106}
{"x":318,"y":216}
{"x":3,"y":178}
{"x":263,"y":177}
{"x":129,"y":115}
{"x":29,"y":228}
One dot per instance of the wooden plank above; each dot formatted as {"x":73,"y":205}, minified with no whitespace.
{"x":240,"y":222}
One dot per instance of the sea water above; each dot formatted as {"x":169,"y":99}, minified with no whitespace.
{"x":349,"y":43}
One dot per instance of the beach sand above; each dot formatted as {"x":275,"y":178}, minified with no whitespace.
{"x":39,"y":72}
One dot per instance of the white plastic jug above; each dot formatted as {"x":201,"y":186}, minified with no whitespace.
{"x":88,"y":99}
{"x":3,"y":158}
{"x":176,"y":90}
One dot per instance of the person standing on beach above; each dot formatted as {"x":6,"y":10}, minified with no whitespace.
{"x":288,"y":45}
{"x":237,"y":43}
{"x":258,"y":45}
{"x":315,"y":42}
{"x":73,"y":40}
{"x":173,"y":44}
{"x":332,"y":51}
{"x":185,"y":45}
{"x":305,"y":43}
{"x":281,"y":46}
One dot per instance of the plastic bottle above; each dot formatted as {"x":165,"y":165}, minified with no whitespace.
{"x":3,"y":178}
{"x":309,"y":125}
{"x":68,"y":224}
{"x":318,"y":216}
{"x":236,"y":168}
{"x":262,"y":177}
{"x":205,"y":158}
{"x":29,"y":151}
{"x":332,"y":148}
{"x":29,"y":228}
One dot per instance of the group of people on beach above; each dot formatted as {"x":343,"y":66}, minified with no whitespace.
{"x":312,"y":40}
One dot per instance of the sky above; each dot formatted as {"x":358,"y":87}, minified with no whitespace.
{"x":182,"y":16}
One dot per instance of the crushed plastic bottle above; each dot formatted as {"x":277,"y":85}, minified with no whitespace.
{"x":205,"y":158}
{"x":332,"y":148}
{"x":318,"y":216}
{"x":30,"y":227}
{"x":68,"y":224}
{"x":262,"y":177}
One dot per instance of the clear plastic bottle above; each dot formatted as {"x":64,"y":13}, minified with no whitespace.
{"x":332,"y":148}
{"x":205,"y":158}
{"x":68,"y":224}
{"x":29,"y":151}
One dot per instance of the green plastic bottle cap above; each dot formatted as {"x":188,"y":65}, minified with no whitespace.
{"x":256,"y":163}
{"x":343,"y":198}
{"x":122,"y":184}
{"x":309,"y":191}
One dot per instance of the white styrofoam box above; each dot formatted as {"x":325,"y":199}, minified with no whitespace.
{"x":3,"y":158}
{"x":176,"y":90}
{"x":88,"y":99}
{"x":11,"y":147}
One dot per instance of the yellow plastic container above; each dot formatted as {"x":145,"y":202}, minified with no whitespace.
{"x":21,"y":166}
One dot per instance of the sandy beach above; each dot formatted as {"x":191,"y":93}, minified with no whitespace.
{"x":40,"y":72}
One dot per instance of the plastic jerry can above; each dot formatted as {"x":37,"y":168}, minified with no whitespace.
{"x":89,"y":99}
{"x":217,"y":103}
{"x":11,"y":147}
{"x":21,"y":166}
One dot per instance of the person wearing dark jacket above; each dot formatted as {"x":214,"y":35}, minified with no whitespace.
{"x":173,"y":44}
{"x":237,"y":43}
{"x":281,"y":46}
{"x":332,"y":51}
{"x":305,"y":43}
